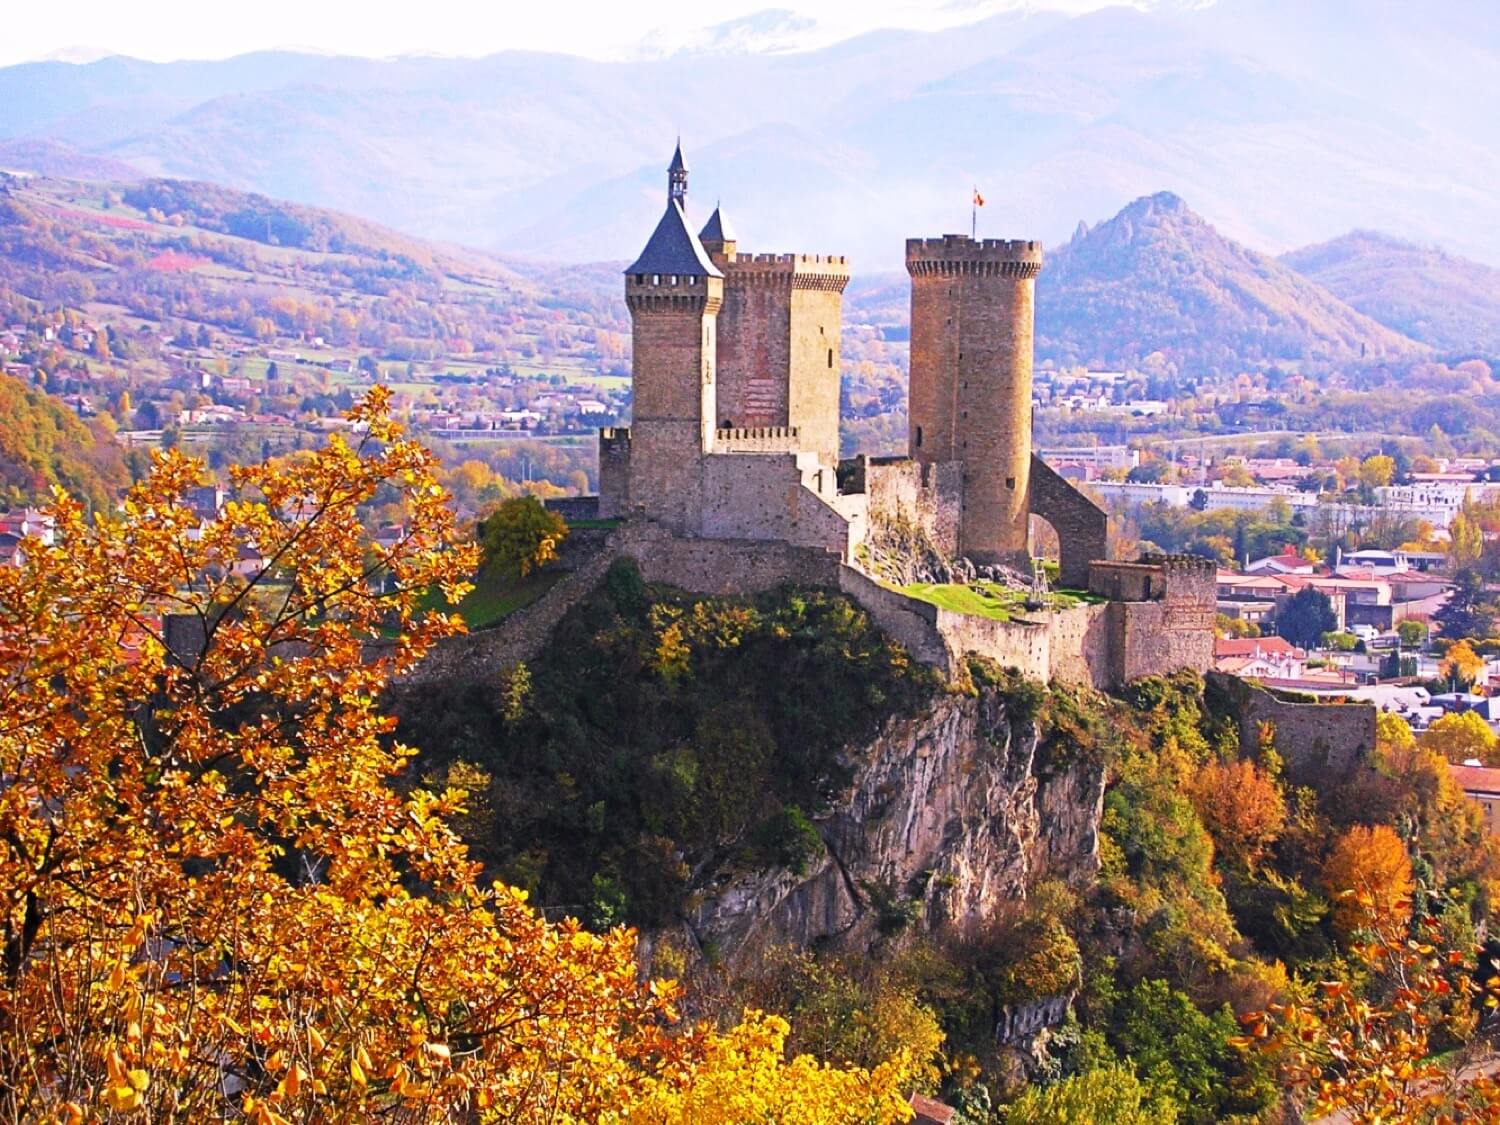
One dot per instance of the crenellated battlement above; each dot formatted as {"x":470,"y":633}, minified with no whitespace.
{"x":958,"y":254}
{"x":614,"y":437}
{"x":794,"y":271}
{"x":757,"y":439}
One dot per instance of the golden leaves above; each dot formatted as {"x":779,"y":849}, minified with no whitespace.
{"x":208,"y":867}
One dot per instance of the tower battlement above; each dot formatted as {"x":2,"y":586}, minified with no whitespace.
{"x":797,"y":271}
{"x":957,"y":254}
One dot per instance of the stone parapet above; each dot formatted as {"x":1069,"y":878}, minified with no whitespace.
{"x":757,"y":439}
{"x":957,"y":254}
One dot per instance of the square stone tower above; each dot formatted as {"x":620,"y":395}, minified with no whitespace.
{"x":779,"y":340}
{"x":972,"y":308}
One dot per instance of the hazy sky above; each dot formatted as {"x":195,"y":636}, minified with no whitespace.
{"x":178,"y":29}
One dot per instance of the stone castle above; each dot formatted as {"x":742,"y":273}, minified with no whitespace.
{"x":729,"y":478}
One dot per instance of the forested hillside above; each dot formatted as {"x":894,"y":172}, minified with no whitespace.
{"x":1441,"y":299}
{"x":1157,"y":278}
{"x":44,"y":445}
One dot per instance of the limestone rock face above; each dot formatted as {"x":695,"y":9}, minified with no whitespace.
{"x":946,"y":814}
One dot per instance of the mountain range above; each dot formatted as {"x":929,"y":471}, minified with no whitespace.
{"x":1286,"y":121}
{"x":1155,"y":279}
{"x":1441,"y":299}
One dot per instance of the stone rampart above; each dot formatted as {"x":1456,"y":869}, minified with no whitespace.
{"x":756,"y":439}
{"x":771,"y":497}
{"x":725,"y":566}
{"x":574,"y":507}
{"x":480,"y":656}
{"x":614,"y":471}
{"x":1325,"y":741}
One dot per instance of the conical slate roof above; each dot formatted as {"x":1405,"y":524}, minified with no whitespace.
{"x":678,"y":163}
{"x":674,"y":248}
{"x":717,"y":229}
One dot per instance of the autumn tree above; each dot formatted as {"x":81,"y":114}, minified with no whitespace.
{"x":1368,"y":876}
{"x":1461,"y":736}
{"x":1373,"y":1058}
{"x":217,"y":905}
{"x":1377,"y":471}
{"x":1242,"y":808}
{"x":522,"y":534}
{"x":1461,"y":665}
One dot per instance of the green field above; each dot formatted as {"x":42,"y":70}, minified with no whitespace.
{"x":985,"y":599}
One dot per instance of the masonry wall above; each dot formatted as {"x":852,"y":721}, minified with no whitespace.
{"x":614,"y":472}
{"x":754,"y":347}
{"x":762,"y":496}
{"x":1157,"y":638}
{"x":813,"y":394}
{"x":721,"y":566}
{"x":928,"y":494}
{"x":1082,"y":526}
{"x":1317,"y":740}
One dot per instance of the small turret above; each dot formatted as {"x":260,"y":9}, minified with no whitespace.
{"x":717,"y":236}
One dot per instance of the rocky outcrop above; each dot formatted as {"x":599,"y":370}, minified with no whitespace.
{"x":947,"y":814}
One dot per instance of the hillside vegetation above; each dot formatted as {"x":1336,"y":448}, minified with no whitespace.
{"x":1158,"y":278}
{"x":258,"y":268}
{"x":44,"y":445}
{"x":659,"y":730}
{"x":1441,"y":299}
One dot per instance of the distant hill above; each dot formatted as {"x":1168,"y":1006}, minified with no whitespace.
{"x":42,"y":157}
{"x":171,"y":253}
{"x":1159,"y":278}
{"x":1287,"y":121}
{"x":1449,"y":302}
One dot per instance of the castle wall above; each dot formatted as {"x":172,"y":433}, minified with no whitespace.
{"x":970,"y":399}
{"x":724,"y":566}
{"x":1082,"y":526}
{"x":614,"y":472}
{"x":928,"y":494}
{"x":754,"y":356}
{"x":813,"y":392}
{"x":769,"y":496}
{"x":778,"y":346}
{"x":1317,"y":740}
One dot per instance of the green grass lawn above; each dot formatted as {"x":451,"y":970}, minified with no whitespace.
{"x":497,"y":595}
{"x":986,"y":599}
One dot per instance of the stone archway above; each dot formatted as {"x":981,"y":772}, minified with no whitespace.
{"x":1082,"y":526}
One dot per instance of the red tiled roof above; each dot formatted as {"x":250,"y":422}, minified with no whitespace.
{"x":1476,"y":779}
{"x":1253,"y":646}
{"x":930,"y":1112}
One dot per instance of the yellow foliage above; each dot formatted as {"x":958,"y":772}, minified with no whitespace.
{"x":1461,"y":736}
{"x":745,"y":1080}
{"x":207,"y":875}
{"x":1368,"y":876}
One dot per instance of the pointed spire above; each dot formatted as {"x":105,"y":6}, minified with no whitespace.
{"x":677,"y":174}
{"x":717,"y":229}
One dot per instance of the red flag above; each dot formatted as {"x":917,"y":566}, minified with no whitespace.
{"x":978,"y":199}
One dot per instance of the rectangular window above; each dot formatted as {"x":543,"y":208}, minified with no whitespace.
{"x":1010,"y":482}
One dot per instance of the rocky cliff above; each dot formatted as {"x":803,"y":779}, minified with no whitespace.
{"x":947,"y":814}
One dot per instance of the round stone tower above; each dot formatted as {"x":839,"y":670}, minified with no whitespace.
{"x":972,"y":305}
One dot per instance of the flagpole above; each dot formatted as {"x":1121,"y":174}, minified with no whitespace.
{"x":974,"y":214}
